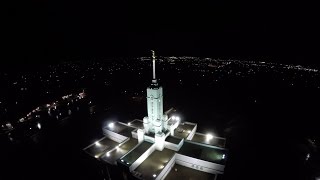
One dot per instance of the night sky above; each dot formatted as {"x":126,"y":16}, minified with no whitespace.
{"x":42,"y":31}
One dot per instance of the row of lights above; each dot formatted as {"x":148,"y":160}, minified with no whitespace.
{"x":123,"y":161}
{"x":98,"y":144}
{"x":175,"y":118}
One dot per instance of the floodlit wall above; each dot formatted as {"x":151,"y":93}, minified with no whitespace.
{"x":149,"y":139}
{"x":192,"y":133}
{"x":172,"y":146}
{"x":172,"y":127}
{"x":134,"y":134}
{"x":155,"y":109}
{"x":114,"y":136}
{"x":167,"y":168}
{"x":159,"y":140}
{"x":146,"y":124}
{"x":199,"y":165}
{"x":140,"y":135}
{"x":143,"y":157}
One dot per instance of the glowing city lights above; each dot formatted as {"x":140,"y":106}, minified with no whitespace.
{"x":308,"y":156}
{"x":154,"y":175}
{"x":39,"y":126}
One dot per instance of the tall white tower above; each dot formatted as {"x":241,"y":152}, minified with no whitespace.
{"x":155,"y":122}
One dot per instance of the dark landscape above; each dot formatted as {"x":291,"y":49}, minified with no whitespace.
{"x":248,"y":71}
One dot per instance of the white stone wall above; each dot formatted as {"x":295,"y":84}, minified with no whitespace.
{"x":114,"y":136}
{"x":172,"y":146}
{"x":159,"y":141}
{"x":172,"y":127}
{"x":146,"y":124}
{"x":155,"y":109}
{"x":149,"y":139}
{"x":193,"y":132}
{"x":199,"y":165}
{"x":134,"y":134}
{"x":140,"y":135}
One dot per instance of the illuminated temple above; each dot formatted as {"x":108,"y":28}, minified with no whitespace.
{"x":160,"y":146}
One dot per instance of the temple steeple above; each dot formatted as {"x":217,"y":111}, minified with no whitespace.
{"x":154,"y":79}
{"x":155,"y":121}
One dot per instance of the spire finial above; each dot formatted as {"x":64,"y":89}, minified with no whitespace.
{"x":153,"y":54}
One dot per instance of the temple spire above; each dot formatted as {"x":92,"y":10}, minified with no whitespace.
{"x":154,"y":80}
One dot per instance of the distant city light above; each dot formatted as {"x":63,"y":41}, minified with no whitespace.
{"x":129,"y":124}
{"x":154,"y":175}
{"x":308,"y":156}
{"x":121,"y":160}
{"x":223,"y":156}
{"x":127,"y":163}
{"x":39,"y":125}
{"x":107,"y":154}
{"x":209,"y":136}
{"x":189,"y":131}
{"x":96,"y":156}
{"x":111,"y":125}
{"x":97,"y":143}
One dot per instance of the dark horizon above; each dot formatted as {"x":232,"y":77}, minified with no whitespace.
{"x":44,"y":32}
